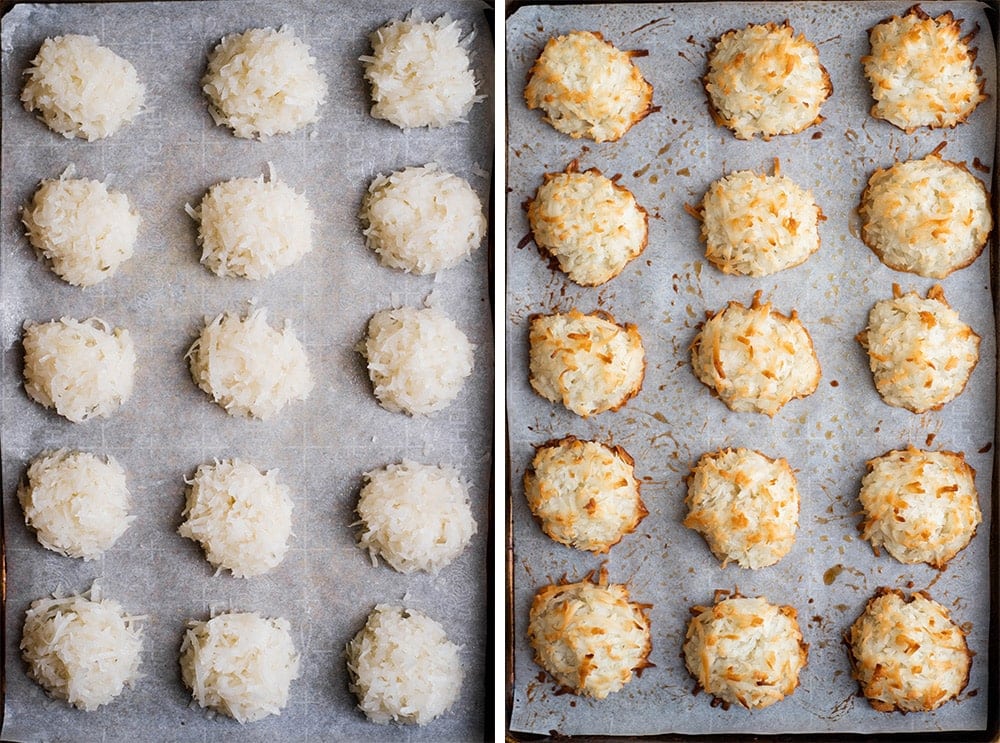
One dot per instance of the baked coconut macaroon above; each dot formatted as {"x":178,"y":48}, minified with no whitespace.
{"x":589,"y":363}
{"x":922,"y":71}
{"x":755,"y":224}
{"x":745,"y":505}
{"x":745,"y":651}
{"x":755,"y":358}
{"x":763,"y":79}
{"x":587,"y":87}
{"x":907,"y":654}
{"x":929,"y":217}
{"x":590,"y":224}
{"x":920,"y":352}
{"x":922,"y":506}
{"x":589,"y":636}
{"x":584,"y":494}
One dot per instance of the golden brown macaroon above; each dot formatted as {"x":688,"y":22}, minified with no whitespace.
{"x":907,"y":654}
{"x":763,"y":79}
{"x":920,"y":352}
{"x":922,"y":71}
{"x":584,"y":493}
{"x":588,"y":88}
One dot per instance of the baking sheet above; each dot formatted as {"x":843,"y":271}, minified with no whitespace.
{"x":168,"y":157}
{"x":671,"y":158}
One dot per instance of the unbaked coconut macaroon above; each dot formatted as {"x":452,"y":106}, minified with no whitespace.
{"x":589,"y":636}
{"x":929,"y":217}
{"x":745,"y":505}
{"x":584,"y":493}
{"x":82,"y":89}
{"x":763,"y":79}
{"x":587,"y":87}
{"x":920,"y":352}
{"x":755,"y":358}
{"x":745,"y":651}
{"x":907,"y":654}
{"x":922,"y":71}
{"x":755,"y":224}
{"x":589,"y":223}
{"x":589,"y":363}
{"x":922,"y":506}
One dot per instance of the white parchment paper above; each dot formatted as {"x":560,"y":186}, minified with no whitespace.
{"x":168,"y":157}
{"x":671,"y":158}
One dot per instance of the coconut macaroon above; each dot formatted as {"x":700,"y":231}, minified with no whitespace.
{"x":929,"y":217}
{"x":589,"y":223}
{"x":82,"y":368}
{"x":402,"y":667}
{"x":755,"y":358}
{"x":422,"y":219}
{"x":922,"y":506}
{"x":587,"y":87}
{"x":81,"y":229}
{"x":920,"y":352}
{"x":763,"y":79}
{"x":745,"y":505}
{"x":418,"y":359}
{"x":415,"y":516}
{"x":755,"y":224}
{"x":420,"y":72}
{"x":745,"y":651}
{"x":239,"y":664}
{"x":76,"y":502}
{"x":907,"y":654}
{"x":584,"y":494}
{"x":248,"y":367}
{"x":263,"y":82}
{"x":82,"y":89}
{"x":589,"y":363}
{"x":251,"y":228}
{"x":589,"y":636}
{"x":922,"y":71}
{"x":84,"y":650}
{"x":241,"y":517}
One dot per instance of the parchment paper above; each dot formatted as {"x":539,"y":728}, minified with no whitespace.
{"x":169,"y":156}
{"x":671,"y":158}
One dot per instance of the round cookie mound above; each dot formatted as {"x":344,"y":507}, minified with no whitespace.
{"x":239,"y":664}
{"x":929,"y":217}
{"x":589,"y":363}
{"x":248,"y":367}
{"x":588,"y":88}
{"x":416,"y":516}
{"x":83,"y":650}
{"x":765,"y":80}
{"x":422,"y":220}
{"x":584,"y":494}
{"x":83,"y":369}
{"x":76,"y":502}
{"x":745,"y":651}
{"x":402,"y":667}
{"x":263,"y":82}
{"x":83,"y":230}
{"x":589,"y":636}
{"x":922,"y":506}
{"x":755,"y":224}
{"x":82,"y":89}
{"x":907,"y":654}
{"x":921,"y":354}
{"x":589,"y":223}
{"x":755,"y":358}
{"x":745,"y":505}
{"x":240,"y":516}
{"x":922,"y":71}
